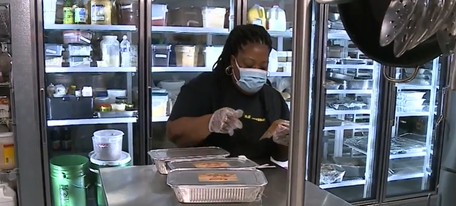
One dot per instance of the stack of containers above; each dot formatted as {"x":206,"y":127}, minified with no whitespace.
{"x":205,"y":175}
{"x":53,"y":55}
{"x":410,"y":101}
{"x":79,"y":55}
{"x":107,"y":152}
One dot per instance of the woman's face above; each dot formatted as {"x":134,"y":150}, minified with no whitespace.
{"x":252,"y":55}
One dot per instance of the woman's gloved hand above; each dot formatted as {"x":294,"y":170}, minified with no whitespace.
{"x":279,"y":131}
{"x":225,"y":120}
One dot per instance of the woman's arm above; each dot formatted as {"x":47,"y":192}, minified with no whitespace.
{"x":281,"y":151}
{"x":188,"y":131}
{"x":188,"y":123}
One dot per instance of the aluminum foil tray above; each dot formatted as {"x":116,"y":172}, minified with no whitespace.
{"x":399,"y":145}
{"x":330,"y":173}
{"x":217,"y":185}
{"x":162,"y":156}
{"x":235,"y":162}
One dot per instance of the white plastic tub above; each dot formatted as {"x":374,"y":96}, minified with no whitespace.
{"x":214,"y":17}
{"x":107,"y":144}
{"x":212,"y":53}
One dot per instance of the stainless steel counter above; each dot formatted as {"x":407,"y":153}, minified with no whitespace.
{"x":144,"y":186}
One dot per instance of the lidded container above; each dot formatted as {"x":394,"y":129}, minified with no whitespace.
{"x":107,"y":144}
{"x":158,"y":16}
{"x":128,"y":12}
{"x":160,"y":55}
{"x":110,"y":49}
{"x":217,"y":185}
{"x":236,"y":162}
{"x":186,"y":56}
{"x":7,"y":158}
{"x":100,"y":12}
{"x":212,"y":53}
{"x":162,"y":156}
{"x":159,"y":102}
{"x":214,"y":17}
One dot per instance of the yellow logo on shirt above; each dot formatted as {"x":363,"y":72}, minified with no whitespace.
{"x":258,"y":119}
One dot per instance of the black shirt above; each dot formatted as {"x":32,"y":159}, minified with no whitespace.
{"x":202,"y":96}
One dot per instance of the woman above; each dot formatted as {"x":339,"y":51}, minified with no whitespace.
{"x":234,"y":106}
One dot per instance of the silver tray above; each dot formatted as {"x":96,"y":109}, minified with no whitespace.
{"x":350,"y":82}
{"x":235,"y":162}
{"x":161,"y":157}
{"x":399,"y":145}
{"x":217,"y":185}
{"x":114,"y":114}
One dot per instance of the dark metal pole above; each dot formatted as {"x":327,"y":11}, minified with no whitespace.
{"x":300,"y":105}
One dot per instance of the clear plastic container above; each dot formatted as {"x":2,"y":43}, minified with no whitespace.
{"x":212,"y":55}
{"x":159,"y":102}
{"x":213,"y":17}
{"x":236,"y":162}
{"x":159,"y":12}
{"x":53,"y":49}
{"x":53,"y":61}
{"x":186,"y":56}
{"x":79,"y":50}
{"x":217,"y":185}
{"x":110,"y":49}
{"x":160,"y":55}
{"x":107,"y":144}
{"x":79,"y":61}
{"x":162,"y":156}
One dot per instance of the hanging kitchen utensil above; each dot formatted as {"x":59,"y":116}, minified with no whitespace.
{"x":445,"y":36}
{"x":394,"y":22}
{"x":432,"y":7}
{"x":362,"y":20}
{"x":404,"y":38}
{"x":405,"y":80}
{"x":445,"y":11}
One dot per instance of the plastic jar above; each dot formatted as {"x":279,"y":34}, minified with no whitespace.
{"x":107,"y":144}
{"x":7,"y":158}
{"x":110,"y":49}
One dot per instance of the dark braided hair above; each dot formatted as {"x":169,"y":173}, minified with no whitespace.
{"x":240,"y":36}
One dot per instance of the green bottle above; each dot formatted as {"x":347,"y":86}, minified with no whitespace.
{"x":68,"y":13}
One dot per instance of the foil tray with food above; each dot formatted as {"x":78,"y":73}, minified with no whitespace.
{"x":116,"y":114}
{"x":331,"y":173}
{"x":350,"y":82}
{"x":347,"y":104}
{"x":161,"y":157}
{"x":234,"y":162}
{"x":217,"y":185}
{"x":353,"y":166}
{"x":399,"y":145}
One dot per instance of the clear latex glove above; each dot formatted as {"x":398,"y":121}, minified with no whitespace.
{"x":279,"y":132}
{"x":225,"y":120}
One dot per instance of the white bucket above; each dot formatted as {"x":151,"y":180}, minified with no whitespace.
{"x":107,"y":144}
{"x":49,"y":11}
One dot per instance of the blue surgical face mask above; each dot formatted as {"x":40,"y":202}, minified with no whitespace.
{"x":250,"y":80}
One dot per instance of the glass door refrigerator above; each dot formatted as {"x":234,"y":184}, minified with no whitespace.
{"x":375,"y":146}
{"x":90,"y":69}
{"x":188,"y":37}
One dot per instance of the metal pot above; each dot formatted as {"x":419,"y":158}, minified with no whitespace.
{"x":362,"y":20}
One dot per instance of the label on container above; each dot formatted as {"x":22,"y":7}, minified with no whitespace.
{"x":64,"y":195}
{"x":8,"y":153}
{"x":80,"y":15}
{"x":258,"y":22}
{"x":217,"y":177}
{"x":211,"y":164}
{"x":68,"y":15}
{"x":98,"y":12}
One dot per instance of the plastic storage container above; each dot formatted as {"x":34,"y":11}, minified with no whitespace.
{"x":49,"y":11}
{"x":212,"y":53}
{"x":53,"y":49}
{"x":162,"y":156}
{"x":79,"y":50}
{"x":110,"y":49}
{"x":213,"y":17}
{"x":101,"y":12}
{"x":277,"y":20}
{"x":159,"y":102}
{"x":273,"y":61}
{"x":107,"y":144}
{"x":77,"y":37}
{"x":159,"y":12}
{"x":160,"y":55}
{"x":7,"y":196}
{"x":7,"y":158}
{"x":217,"y":185}
{"x":128,"y":13}
{"x":79,"y":61}
{"x":186,"y":56}
{"x":237,"y":162}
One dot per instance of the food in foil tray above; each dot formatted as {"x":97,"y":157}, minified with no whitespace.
{"x":236,"y":162}
{"x":399,"y":145}
{"x":331,"y":173}
{"x":217,"y":185}
{"x":347,"y":104}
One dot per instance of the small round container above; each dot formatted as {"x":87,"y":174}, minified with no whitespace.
{"x":107,"y":144}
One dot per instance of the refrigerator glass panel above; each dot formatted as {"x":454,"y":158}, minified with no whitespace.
{"x":187,"y":39}
{"x":350,"y":119}
{"x":90,"y":58}
{"x":413,"y":134}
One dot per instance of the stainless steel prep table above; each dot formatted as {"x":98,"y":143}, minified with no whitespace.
{"x":144,"y":186}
